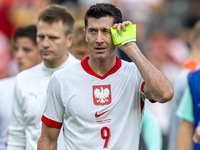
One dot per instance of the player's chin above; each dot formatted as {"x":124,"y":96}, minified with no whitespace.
{"x":101,"y":56}
{"x":46,"y":57}
{"x":21,"y":68}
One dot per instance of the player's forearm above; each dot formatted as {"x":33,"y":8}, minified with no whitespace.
{"x":46,"y":145}
{"x":158,"y":87}
{"x":184,"y":136}
{"x":48,"y":138}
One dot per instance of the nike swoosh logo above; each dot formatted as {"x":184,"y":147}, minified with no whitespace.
{"x":98,"y":115}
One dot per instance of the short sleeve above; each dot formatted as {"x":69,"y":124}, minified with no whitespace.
{"x":54,"y":109}
{"x":185,"y":108}
{"x":143,"y":95}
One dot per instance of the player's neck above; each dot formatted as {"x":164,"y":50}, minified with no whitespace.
{"x":56,"y":63}
{"x":101,"y":67}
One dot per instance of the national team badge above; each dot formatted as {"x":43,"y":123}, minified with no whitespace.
{"x":101,"y":94}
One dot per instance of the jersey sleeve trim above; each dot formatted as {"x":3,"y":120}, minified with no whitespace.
{"x":142,"y":89}
{"x":142,"y":86}
{"x":51,"y":123}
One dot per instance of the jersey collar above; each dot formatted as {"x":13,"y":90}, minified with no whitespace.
{"x":87,"y":68}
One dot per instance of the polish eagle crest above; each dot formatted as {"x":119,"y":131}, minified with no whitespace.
{"x":102,"y":95}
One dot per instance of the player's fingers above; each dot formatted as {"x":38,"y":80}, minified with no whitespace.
{"x":115,"y":25}
{"x":119,"y":28}
{"x":195,"y":139}
{"x":196,"y":136}
{"x":124,"y":24}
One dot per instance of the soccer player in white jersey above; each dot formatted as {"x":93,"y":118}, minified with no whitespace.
{"x":54,"y":37}
{"x":26,"y":55}
{"x":80,"y":50}
{"x":99,"y":101}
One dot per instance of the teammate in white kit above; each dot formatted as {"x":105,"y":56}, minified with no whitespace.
{"x":99,"y":101}
{"x":54,"y":37}
{"x":26,"y":55}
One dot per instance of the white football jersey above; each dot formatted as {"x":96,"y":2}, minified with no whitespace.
{"x":29,"y":104}
{"x":6,"y":98}
{"x":96,"y":112}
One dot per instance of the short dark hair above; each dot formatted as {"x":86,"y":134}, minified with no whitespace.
{"x":99,"y":10}
{"x":29,"y":31}
{"x":54,"y":13}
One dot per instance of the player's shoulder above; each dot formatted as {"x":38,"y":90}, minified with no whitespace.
{"x":30,"y":73}
{"x":71,"y":59}
{"x":128,"y":65}
{"x":196,"y":73}
{"x":7,"y":82}
{"x":69,"y":69}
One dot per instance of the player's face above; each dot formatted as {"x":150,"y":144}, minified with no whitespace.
{"x":99,"y":38}
{"x":26,"y":53}
{"x":53,"y":43}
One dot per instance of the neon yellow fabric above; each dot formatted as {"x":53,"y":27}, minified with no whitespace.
{"x":126,"y":36}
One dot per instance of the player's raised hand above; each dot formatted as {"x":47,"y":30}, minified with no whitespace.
{"x":120,"y":26}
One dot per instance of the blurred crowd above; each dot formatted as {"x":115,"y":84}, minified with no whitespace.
{"x":163,"y":29}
